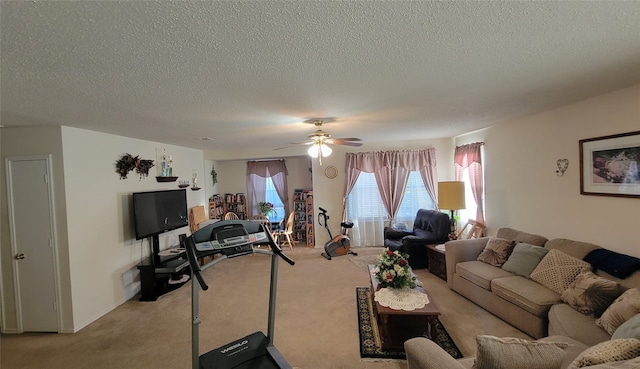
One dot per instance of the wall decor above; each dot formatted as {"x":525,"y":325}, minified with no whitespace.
{"x":128,"y":163}
{"x":331,"y":172}
{"x":609,"y":165}
{"x":562,"y":165}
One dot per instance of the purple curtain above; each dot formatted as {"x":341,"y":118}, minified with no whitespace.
{"x":391,"y":170}
{"x":257,"y":173}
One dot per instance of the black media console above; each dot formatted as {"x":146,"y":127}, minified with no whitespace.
{"x":160,"y":274}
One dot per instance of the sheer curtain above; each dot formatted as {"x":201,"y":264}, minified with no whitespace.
{"x":470,"y":157}
{"x":391,"y":171}
{"x":257,"y":174}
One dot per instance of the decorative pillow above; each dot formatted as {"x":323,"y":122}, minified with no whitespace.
{"x":557,"y":270}
{"x":508,"y":353}
{"x":628,"y":329}
{"x":496,"y":252}
{"x":607,"y":352}
{"x":524,"y":259}
{"x":591,"y":294}
{"x":622,"y":309}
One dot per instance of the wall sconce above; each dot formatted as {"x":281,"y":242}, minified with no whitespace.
{"x":562,"y":164}
{"x":451,"y":197}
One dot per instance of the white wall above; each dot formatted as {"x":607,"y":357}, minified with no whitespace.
{"x":96,"y":243}
{"x":103,"y":252}
{"x":523,"y":190}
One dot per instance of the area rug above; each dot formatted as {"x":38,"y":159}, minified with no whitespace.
{"x":366,"y":256}
{"x":370,"y":338}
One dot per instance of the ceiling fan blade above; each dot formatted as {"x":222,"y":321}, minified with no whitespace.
{"x":346,"y":143}
{"x":347,"y":139}
{"x":280,"y":148}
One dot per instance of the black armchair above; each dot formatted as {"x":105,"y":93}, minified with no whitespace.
{"x":430,"y":227}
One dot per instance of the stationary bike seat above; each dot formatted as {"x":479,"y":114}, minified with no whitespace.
{"x":346,"y":224}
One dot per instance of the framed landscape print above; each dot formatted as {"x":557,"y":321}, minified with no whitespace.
{"x":609,"y":165}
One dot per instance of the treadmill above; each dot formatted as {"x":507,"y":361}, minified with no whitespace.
{"x":230,"y":239}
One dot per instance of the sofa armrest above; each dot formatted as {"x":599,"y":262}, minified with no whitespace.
{"x":462,"y":250}
{"x":422,"y":353}
{"x":392,"y":234}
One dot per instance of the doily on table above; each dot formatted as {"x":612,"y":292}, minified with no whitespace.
{"x":401,"y":298}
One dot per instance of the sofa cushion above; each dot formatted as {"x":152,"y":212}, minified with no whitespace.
{"x":519,"y":236}
{"x":614,"y":263}
{"x":479,"y":273}
{"x":621,"y":310}
{"x":566,"y":321}
{"x":607,"y":352}
{"x":525,"y":293}
{"x":507,"y":353}
{"x":531,"y":239}
{"x":577,"y":249}
{"x":591,"y":294}
{"x":628,"y":329}
{"x":496,"y":252}
{"x":558,"y":270}
{"x":524,"y":259}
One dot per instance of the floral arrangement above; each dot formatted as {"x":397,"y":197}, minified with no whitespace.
{"x":392,"y":270}
{"x":266,"y":208}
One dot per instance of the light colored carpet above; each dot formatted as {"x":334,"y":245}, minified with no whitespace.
{"x":316,"y":323}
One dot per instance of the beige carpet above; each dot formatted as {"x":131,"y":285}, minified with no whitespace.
{"x":316,"y":323}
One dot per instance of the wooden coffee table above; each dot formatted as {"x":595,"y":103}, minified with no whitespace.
{"x":397,"y":326}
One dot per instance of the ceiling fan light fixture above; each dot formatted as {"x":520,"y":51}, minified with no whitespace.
{"x":319,"y":149}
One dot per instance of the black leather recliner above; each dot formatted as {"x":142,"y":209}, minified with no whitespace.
{"x":430,"y":227}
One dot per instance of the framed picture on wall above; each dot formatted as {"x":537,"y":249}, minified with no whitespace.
{"x":609,"y":165}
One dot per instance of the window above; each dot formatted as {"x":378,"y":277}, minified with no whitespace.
{"x":415,"y":197}
{"x":272,"y":196}
{"x":365,"y":201}
{"x":471,"y":209}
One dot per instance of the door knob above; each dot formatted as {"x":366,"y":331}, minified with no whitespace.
{"x":19,"y":256}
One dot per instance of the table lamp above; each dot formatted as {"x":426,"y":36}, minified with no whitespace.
{"x":451,"y":197}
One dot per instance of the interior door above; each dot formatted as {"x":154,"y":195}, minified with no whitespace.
{"x":32,"y":243}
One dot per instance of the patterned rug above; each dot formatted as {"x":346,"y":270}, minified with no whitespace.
{"x":370,"y":339}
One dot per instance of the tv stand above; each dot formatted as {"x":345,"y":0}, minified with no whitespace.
{"x":157,"y":270}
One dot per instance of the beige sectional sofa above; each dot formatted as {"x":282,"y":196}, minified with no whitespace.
{"x":532,"y":307}
{"x":522,"y":302}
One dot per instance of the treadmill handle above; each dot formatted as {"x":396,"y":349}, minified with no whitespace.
{"x":275,"y":247}
{"x":190,"y":250}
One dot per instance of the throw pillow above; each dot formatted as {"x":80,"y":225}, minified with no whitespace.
{"x":496,"y":252}
{"x":557,"y":270}
{"x":628,"y":329}
{"x":508,"y":353}
{"x":607,"y":352}
{"x":524,"y":259}
{"x":591,"y":294}
{"x":621,"y":310}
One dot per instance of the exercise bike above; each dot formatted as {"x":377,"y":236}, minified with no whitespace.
{"x":338,"y":245}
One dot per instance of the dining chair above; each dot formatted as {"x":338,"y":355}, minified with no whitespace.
{"x":230,"y":215}
{"x":196,"y":216}
{"x":287,"y":232}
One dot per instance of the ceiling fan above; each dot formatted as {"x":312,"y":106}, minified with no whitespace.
{"x":319,"y":140}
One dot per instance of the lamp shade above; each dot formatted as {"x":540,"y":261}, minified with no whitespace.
{"x":451,"y":195}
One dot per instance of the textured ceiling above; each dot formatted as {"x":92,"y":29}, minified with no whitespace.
{"x":248,"y":73}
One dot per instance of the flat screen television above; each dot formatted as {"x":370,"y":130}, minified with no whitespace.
{"x":156,"y":212}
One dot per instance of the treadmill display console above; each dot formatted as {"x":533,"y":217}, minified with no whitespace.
{"x":232,"y":240}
